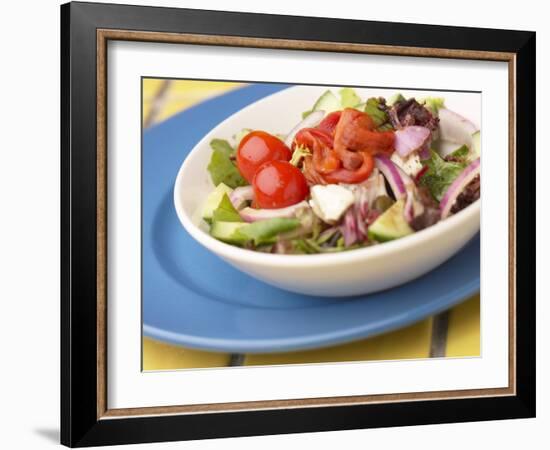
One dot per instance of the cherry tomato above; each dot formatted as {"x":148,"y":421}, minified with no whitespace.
{"x":278,"y":184}
{"x":259,"y":147}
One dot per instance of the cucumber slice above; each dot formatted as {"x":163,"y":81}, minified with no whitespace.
{"x":228,"y":232}
{"x":390,"y":225}
{"x":476,"y":145}
{"x":260,"y":232}
{"x":213,"y":200}
{"x":328,"y":102}
{"x":348,"y":98}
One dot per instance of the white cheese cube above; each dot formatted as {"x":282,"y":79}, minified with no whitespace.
{"x":410,"y":165}
{"x":330,"y":202}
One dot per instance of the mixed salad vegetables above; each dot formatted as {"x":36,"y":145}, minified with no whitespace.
{"x":351,"y":174}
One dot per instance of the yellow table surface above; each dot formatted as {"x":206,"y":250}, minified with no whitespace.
{"x":164,"y":98}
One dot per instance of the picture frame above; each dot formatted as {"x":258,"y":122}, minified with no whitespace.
{"x":86,"y":418}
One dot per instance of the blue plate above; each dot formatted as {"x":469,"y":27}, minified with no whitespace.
{"x":192,"y":298}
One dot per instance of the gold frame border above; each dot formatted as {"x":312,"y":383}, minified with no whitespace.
{"x":104,"y":35}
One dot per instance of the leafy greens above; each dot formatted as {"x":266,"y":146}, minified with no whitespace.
{"x":440,"y":174}
{"x":372,"y":108}
{"x":221,"y":167}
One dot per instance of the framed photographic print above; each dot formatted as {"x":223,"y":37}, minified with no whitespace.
{"x":277,"y":224}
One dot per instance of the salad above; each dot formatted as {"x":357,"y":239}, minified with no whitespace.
{"x":351,"y":174}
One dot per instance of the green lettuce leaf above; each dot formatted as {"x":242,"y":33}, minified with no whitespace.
{"x":348,"y":98}
{"x":461,"y":154}
{"x":440,"y":174}
{"x":226,"y":212}
{"x":396,"y":98}
{"x":385,"y":127}
{"x":371,"y":108}
{"x":266,"y":231}
{"x":221,"y":168}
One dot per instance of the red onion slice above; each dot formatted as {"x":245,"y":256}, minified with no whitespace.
{"x":252,"y":214}
{"x":361,"y":223}
{"x":409,"y":208}
{"x":457,"y":186}
{"x":349,"y":228}
{"x":239,"y":196}
{"x":424,"y":152}
{"x":310,"y":121}
{"x":398,"y":180}
{"x":413,"y":207}
{"x":455,"y":128}
{"x":411,"y":139}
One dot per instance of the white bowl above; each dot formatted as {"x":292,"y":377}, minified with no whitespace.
{"x":348,"y":273}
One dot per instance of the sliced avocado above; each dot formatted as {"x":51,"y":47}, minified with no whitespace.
{"x":476,"y":145}
{"x":391,"y":224}
{"x":213,"y":200}
{"x":226,"y":212}
{"x":228,"y":232}
{"x":383,"y":203}
{"x":328,"y":102}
